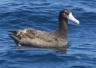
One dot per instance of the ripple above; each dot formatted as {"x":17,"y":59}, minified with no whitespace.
{"x":43,"y":15}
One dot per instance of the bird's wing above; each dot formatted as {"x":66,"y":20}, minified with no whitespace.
{"x":32,"y":34}
{"x":45,"y":36}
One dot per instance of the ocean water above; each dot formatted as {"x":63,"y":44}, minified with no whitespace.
{"x":43,"y":15}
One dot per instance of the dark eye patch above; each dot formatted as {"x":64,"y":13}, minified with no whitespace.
{"x":66,"y":13}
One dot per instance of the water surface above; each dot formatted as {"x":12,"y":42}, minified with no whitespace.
{"x":43,"y":15}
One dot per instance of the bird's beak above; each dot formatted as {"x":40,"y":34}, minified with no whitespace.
{"x":72,"y":18}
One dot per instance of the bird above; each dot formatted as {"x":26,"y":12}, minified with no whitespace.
{"x":30,"y":37}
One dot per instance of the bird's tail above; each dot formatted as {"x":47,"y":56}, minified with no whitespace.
{"x":16,"y":39}
{"x":13,"y":31}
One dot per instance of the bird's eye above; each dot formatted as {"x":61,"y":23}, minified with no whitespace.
{"x":65,"y":13}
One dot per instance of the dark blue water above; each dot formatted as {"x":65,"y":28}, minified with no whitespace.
{"x":42,"y":15}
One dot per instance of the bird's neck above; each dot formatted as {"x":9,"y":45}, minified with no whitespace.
{"x":62,"y":28}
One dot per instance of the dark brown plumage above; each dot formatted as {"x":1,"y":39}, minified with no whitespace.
{"x":42,"y":39}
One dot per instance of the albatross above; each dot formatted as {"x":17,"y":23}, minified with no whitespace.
{"x":41,"y":39}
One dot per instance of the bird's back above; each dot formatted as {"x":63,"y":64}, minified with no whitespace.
{"x":36,"y":38}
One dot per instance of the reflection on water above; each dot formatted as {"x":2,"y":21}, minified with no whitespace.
{"x":62,"y":50}
{"x":43,"y":15}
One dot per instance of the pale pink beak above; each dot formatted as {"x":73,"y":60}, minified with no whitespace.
{"x":72,"y":18}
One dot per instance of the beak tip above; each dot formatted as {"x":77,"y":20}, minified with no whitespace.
{"x":78,"y":23}
{"x":72,"y":18}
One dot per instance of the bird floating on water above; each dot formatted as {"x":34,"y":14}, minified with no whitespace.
{"x":41,"y":39}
